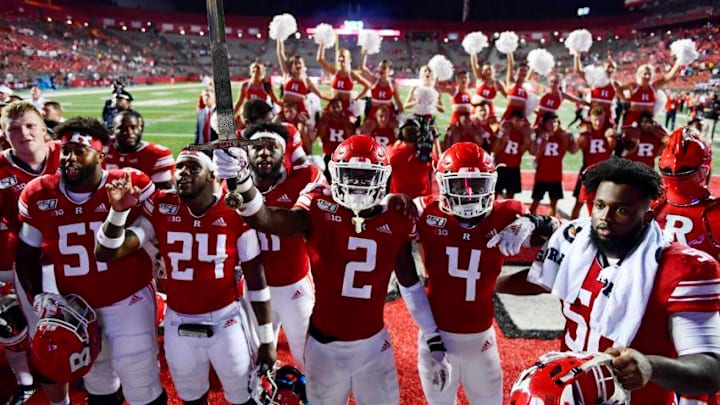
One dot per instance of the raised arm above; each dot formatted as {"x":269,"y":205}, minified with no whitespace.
{"x":475,"y":66}
{"x":366,"y":72}
{"x":233,"y":163}
{"x":320,"y":58}
{"x":509,"y":74}
{"x":577,"y":63}
{"x":667,"y":77}
{"x":282,"y":59}
{"x":396,"y":95}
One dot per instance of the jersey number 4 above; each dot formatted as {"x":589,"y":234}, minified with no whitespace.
{"x":471,"y":274}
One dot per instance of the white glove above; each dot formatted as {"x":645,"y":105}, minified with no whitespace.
{"x":231,"y":163}
{"x":47,"y":305}
{"x":512,"y":237}
{"x":441,"y":367}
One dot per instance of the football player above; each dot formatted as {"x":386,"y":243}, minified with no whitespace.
{"x":332,"y":129}
{"x":129,"y":150}
{"x":458,"y":232}
{"x":651,"y":305}
{"x":508,"y":146}
{"x":256,"y":111}
{"x":31,"y":156}
{"x":354,"y":242}
{"x":201,"y":241}
{"x":60,"y":214}
{"x":285,"y":258}
{"x":688,"y":213}
{"x":644,"y":144}
{"x":597,"y":143}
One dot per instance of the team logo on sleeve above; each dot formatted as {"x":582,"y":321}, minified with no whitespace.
{"x":168,"y":209}
{"x":327,"y":206}
{"x":437,"y":222}
{"x":8,"y":182}
{"x":47,"y":205}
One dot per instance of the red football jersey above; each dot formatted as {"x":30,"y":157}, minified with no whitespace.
{"x":13,"y":180}
{"x":679,"y":282}
{"x":648,"y":149}
{"x":510,"y":153}
{"x":697,"y":226}
{"x":409,"y":175}
{"x":285,"y":258}
{"x":351,"y":270}
{"x":550,"y":160}
{"x":462,"y":270}
{"x":200,"y":252}
{"x":335,"y":129}
{"x":597,"y":149}
{"x":152,"y":159}
{"x":385,"y":136}
{"x":68,"y":231}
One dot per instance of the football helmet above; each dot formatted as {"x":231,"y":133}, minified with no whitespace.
{"x":569,"y":378}
{"x":66,"y":345}
{"x":466,"y":176}
{"x":359,"y":172}
{"x":685,"y":165}
{"x":284,"y":386}
{"x":13,"y":325}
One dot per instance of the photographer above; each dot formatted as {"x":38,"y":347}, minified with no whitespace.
{"x":411,"y":173}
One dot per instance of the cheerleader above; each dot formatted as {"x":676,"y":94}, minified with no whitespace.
{"x":487,"y":86}
{"x":343,"y":78}
{"x":384,"y":91}
{"x":257,"y":86}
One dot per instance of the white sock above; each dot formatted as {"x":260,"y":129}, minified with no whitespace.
{"x":19,"y":364}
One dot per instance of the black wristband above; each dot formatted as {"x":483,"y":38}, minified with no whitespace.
{"x":436,"y":344}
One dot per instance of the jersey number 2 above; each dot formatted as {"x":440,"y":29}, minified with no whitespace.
{"x":368,"y":265}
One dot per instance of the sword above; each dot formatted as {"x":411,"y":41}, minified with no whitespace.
{"x":224,"y":144}
{"x":223,"y":91}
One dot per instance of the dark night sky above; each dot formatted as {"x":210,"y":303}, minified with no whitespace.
{"x":481,"y":10}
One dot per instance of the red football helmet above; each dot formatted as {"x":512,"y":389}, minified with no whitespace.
{"x":13,"y":325}
{"x":65,"y":346}
{"x":569,"y":378}
{"x":359,"y":170}
{"x":285,"y":386}
{"x":685,"y":165}
{"x":466,"y":175}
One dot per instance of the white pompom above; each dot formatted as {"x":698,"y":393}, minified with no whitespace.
{"x":660,"y":101}
{"x":541,"y":61}
{"x":596,"y":76}
{"x":474,"y":42}
{"x":282,"y":26}
{"x":476,"y":99}
{"x":531,"y":104}
{"x":579,"y":41}
{"x":370,"y":41}
{"x":507,"y":42}
{"x":357,"y":107}
{"x":426,"y":99}
{"x":324,"y":35}
{"x":684,"y":50}
{"x":441,"y":67}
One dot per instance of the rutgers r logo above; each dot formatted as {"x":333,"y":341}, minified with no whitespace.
{"x":80,"y":360}
{"x":677,"y":228}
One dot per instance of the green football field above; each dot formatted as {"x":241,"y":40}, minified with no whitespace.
{"x":170,"y":113}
